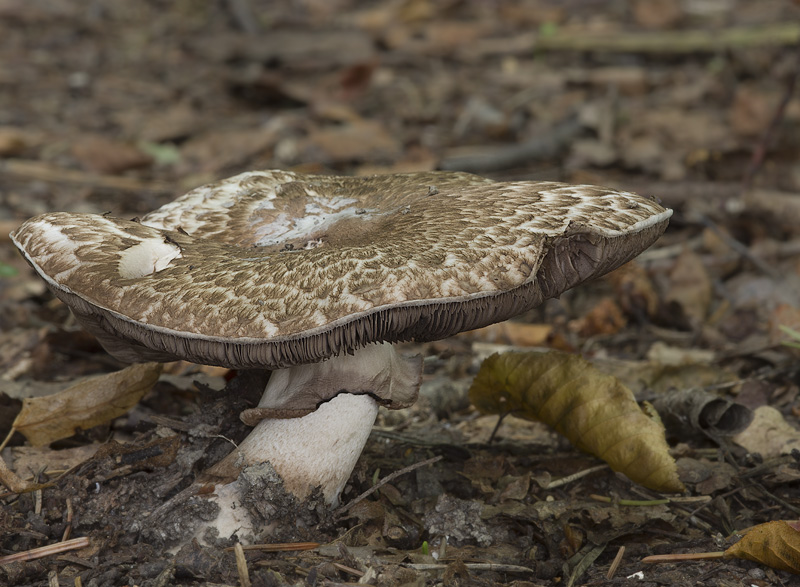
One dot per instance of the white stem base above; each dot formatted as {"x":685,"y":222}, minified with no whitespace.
{"x":317,"y":450}
{"x":320,"y":449}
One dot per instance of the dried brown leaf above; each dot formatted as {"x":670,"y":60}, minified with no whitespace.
{"x":634,"y":290}
{"x":775,"y":544}
{"x":604,"y":319}
{"x":596,"y":413}
{"x":690,"y":287}
{"x":513,"y":333}
{"x":101,"y":155}
{"x":84,"y":404}
{"x":769,"y":434}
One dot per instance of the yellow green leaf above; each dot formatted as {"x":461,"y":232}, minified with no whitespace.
{"x":594,"y":411}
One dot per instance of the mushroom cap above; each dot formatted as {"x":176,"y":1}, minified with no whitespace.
{"x":272,"y":269}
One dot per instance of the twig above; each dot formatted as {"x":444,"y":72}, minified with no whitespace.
{"x":68,"y":529}
{"x":784,"y":503}
{"x":497,"y":427}
{"x":630,"y":502}
{"x":494,"y":158}
{"x":348,"y":570}
{"x":337,"y":513}
{"x":738,"y":247}
{"x":44,"y":172}
{"x":48,"y":550}
{"x":241,"y":566}
{"x":7,"y":438}
{"x":665,"y":42}
{"x":281,"y":546}
{"x":612,"y":570}
{"x":37,"y":494}
{"x":689,"y":556}
{"x":497,"y":567}
{"x":574,"y":477}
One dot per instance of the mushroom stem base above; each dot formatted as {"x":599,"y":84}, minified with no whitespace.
{"x":317,"y":450}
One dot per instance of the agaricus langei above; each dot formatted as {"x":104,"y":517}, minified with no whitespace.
{"x":305,"y":275}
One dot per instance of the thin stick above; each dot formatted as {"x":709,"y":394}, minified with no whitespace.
{"x":383,"y":482}
{"x":689,"y":556}
{"x":44,"y":172}
{"x":349,"y":570}
{"x":497,"y":427}
{"x":669,"y":42}
{"x":497,"y":567}
{"x":44,"y":551}
{"x":738,"y":247}
{"x":612,"y":570}
{"x":37,"y":495}
{"x":574,"y":476}
{"x":630,"y":502}
{"x":68,"y":529}
{"x":281,"y":546}
{"x":7,"y":438}
{"x":241,"y":565}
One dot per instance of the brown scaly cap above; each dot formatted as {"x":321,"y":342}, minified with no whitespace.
{"x":273,"y":269}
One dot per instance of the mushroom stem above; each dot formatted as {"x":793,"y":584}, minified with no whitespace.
{"x":313,"y":420}
{"x":317,"y":450}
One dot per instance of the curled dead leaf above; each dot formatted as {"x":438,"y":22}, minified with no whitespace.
{"x":695,"y":413}
{"x":594,"y":411}
{"x":84,"y":404}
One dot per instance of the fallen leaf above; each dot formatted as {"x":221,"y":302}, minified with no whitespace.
{"x":769,"y":434}
{"x":657,"y":14}
{"x":634,"y":290}
{"x":594,"y":411}
{"x":102,"y":155}
{"x":605,"y":318}
{"x":690,"y":287}
{"x":359,"y":140}
{"x":751,"y":111}
{"x":513,"y":333}
{"x":775,"y":544}
{"x":662,"y":354}
{"x":87,"y":403}
{"x":12,"y":142}
{"x":216,"y":150}
{"x":29,"y":459}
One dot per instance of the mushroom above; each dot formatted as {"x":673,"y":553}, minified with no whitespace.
{"x":304,"y":274}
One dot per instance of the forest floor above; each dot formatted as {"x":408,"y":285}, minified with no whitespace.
{"x":121,"y":106}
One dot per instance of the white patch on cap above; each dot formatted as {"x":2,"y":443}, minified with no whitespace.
{"x":316,"y":218}
{"x":148,"y":257}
